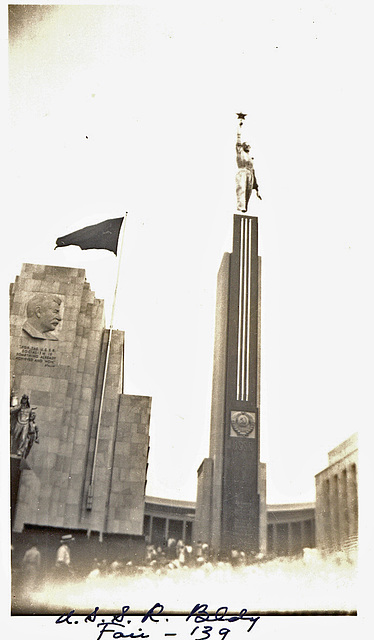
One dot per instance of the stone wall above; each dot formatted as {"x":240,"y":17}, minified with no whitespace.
{"x":202,"y":530}
{"x":62,"y":373}
{"x":337,"y":499}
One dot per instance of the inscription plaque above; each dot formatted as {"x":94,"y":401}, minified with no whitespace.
{"x":36,"y":354}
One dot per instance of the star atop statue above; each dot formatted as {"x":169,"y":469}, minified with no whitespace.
{"x":241,"y":116}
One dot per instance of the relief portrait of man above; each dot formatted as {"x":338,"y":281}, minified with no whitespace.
{"x":43,"y":316}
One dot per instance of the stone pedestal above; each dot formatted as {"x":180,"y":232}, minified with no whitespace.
{"x":15,"y":475}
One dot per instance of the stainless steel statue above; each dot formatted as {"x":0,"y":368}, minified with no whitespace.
{"x":245,"y":178}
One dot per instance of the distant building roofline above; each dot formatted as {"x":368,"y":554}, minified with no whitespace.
{"x":343,"y":449}
{"x":295,"y":506}
{"x":170,"y":502}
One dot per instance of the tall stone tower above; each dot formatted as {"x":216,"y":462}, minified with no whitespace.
{"x":228,"y":497}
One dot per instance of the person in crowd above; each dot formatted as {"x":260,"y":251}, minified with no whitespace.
{"x":234,"y":557}
{"x":115,"y":568}
{"x":95,"y":571}
{"x":63,"y":558}
{"x":205,"y":551}
{"x":151,"y":553}
{"x":171,"y":548}
{"x":199,"y":558}
{"x":180,"y":549}
{"x":188,"y":555}
{"x":31,"y":567}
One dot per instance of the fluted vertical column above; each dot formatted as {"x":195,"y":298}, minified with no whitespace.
{"x":327,"y":537}
{"x":275,"y":538}
{"x":343,"y":506}
{"x":352,"y":499}
{"x":289,"y":539}
{"x":166,"y":529}
{"x":302,"y":534}
{"x":334,"y":508}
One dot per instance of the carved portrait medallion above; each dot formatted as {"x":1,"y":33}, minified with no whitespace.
{"x":43,"y":316}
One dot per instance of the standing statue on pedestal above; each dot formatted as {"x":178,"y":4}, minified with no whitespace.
{"x":246,"y":177}
{"x":23,"y":430}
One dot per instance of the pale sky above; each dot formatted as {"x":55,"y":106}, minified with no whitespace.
{"x":132,"y":108}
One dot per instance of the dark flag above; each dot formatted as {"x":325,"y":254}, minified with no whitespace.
{"x":103,"y":235}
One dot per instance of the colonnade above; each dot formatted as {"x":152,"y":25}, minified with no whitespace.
{"x":160,"y":528}
{"x":290,"y":537}
{"x":337,"y":507}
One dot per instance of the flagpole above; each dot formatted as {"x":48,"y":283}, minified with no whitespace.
{"x":118,"y":271}
{"x":89,"y":499}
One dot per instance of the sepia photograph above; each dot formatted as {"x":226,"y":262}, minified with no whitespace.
{"x":188,"y":268}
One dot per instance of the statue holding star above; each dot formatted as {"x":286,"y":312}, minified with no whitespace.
{"x":246,"y":180}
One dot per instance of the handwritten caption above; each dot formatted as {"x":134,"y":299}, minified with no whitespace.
{"x":202,"y":624}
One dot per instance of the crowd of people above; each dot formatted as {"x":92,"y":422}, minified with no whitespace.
{"x":173,"y":554}
{"x":159,"y":559}
{"x":176,"y":554}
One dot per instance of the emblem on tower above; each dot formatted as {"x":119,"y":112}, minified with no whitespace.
{"x":243,"y":424}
